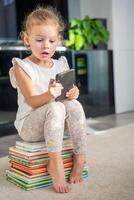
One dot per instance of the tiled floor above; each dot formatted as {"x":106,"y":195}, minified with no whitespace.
{"x":99,"y":124}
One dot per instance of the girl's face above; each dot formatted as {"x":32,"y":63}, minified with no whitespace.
{"x":43,"y":40}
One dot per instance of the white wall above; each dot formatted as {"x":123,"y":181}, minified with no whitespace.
{"x":74,"y":9}
{"x":123,"y":45}
{"x":95,"y":8}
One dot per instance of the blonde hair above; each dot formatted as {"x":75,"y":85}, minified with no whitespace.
{"x":43,"y":15}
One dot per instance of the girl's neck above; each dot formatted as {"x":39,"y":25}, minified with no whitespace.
{"x":46,"y":64}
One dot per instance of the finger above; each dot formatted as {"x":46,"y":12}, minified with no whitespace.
{"x":52,"y":81}
{"x":71,"y":90}
{"x":58,"y":85}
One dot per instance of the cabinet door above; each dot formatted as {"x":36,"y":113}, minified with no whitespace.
{"x":98,"y":98}
{"x":98,"y":77}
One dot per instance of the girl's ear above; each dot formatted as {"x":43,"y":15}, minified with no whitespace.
{"x":60,"y":39}
{"x":26,"y":39}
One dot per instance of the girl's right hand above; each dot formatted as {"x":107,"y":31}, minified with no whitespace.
{"x":55,"y":88}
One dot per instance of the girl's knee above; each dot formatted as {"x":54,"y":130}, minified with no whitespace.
{"x":57,"y":108}
{"x":73,"y":105}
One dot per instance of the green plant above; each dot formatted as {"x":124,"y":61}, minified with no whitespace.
{"x":86,"y":32}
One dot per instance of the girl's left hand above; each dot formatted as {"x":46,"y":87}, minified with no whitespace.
{"x":73,"y":93}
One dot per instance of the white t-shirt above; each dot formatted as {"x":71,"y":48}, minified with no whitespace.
{"x":40,"y":76}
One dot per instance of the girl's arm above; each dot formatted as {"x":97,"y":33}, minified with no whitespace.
{"x":31,"y":95}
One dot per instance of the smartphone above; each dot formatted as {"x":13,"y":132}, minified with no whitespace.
{"x":67,"y":79}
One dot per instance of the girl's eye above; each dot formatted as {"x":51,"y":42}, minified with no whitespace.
{"x":39,"y":40}
{"x":52,"y":41}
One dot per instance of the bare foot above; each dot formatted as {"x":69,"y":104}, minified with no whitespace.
{"x":78,"y":165}
{"x":56,"y":170}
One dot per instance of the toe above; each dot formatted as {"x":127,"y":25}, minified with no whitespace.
{"x":71,"y":180}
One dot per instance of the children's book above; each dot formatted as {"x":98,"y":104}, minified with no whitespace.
{"x":29,"y":176}
{"x":29,"y":170}
{"x":25,"y":186}
{"x":39,"y":146}
{"x":34,"y":183}
{"x":25,"y":153}
{"x":31,"y":145}
{"x":65,"y":155}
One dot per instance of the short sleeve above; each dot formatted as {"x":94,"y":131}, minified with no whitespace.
{"x":25,"y":66}
{"x":12,"y":77}
{"x":64,"y":61}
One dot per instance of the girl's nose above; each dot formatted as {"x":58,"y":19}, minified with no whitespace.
{"x":45,"y":45}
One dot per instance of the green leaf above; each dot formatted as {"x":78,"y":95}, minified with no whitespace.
{"x":71,"y":40}
{"x":86,"y":26}
{"x":78,"y":31}
{"x":88,"y":37}
{"x":86,"y":46}
{"x":71,"y":35}
{"x":79,"y":42}
{"x":87,"y":18}
{"x":99,"y":24}
{"x":69,"y":43}
{"x":74,"y":22}
{"x":96,"y":40}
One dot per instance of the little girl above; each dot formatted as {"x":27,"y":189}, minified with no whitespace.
{"x":39,"y":116}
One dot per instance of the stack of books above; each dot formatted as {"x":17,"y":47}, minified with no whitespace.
{"x":28,"y":164}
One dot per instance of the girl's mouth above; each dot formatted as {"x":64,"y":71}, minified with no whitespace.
{"x":45,"y":53}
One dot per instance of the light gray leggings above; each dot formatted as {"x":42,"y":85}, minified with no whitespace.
{"x":48,"y":121}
